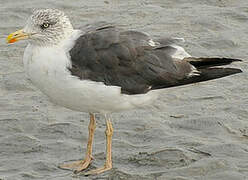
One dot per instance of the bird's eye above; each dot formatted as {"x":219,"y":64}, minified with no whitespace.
{"x":44,"y":25}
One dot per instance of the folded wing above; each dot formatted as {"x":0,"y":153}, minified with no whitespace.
{"x":135,"y":62}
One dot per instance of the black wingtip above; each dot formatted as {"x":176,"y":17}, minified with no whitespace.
{"x":232,"y":60}
{"x":239,"y":71}
{"x":203,"y":62}
{"x":214,"y":73}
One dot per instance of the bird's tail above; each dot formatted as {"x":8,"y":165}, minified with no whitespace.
{"x":208,"y":70}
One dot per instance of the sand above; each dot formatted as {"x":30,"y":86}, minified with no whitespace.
{"x":195,"y":132}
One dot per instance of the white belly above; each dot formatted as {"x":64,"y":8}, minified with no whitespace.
{"x":47,"y":69}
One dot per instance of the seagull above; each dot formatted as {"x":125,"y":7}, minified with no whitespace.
{"x":101,"y":69}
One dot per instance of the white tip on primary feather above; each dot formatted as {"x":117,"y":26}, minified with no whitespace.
{"x":180,"y":53}
{"x":152,"y":43}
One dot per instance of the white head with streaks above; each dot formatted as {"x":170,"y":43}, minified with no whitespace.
{"x":44,"y":27}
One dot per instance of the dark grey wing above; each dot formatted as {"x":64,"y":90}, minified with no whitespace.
{"x":125,"y":59}
{"x":132,"y":61}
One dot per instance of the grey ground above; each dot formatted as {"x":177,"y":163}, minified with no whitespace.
{"x":195,"y":132}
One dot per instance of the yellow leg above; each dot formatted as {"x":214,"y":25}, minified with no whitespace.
{"x":108,"y":163}
{"x":80,"y":165}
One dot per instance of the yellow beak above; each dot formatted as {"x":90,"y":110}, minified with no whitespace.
{"x":16,"y":36}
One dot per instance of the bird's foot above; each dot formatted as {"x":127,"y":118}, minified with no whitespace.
{"x":99,"y":170}
{"x":77,"y":166}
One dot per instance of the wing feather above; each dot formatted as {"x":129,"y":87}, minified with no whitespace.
{"x":130,"y":60}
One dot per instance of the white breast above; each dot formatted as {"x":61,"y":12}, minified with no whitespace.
{"x":47,"y":69}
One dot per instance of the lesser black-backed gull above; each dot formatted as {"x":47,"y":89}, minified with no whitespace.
{"x":101,"y":68}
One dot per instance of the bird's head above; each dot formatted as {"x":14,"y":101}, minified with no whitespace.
{"x":45,"y":26}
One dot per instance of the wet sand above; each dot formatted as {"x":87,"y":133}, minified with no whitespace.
{"x":195,"y":132}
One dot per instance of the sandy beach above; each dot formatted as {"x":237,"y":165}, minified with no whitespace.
{"x":194,"y":132}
